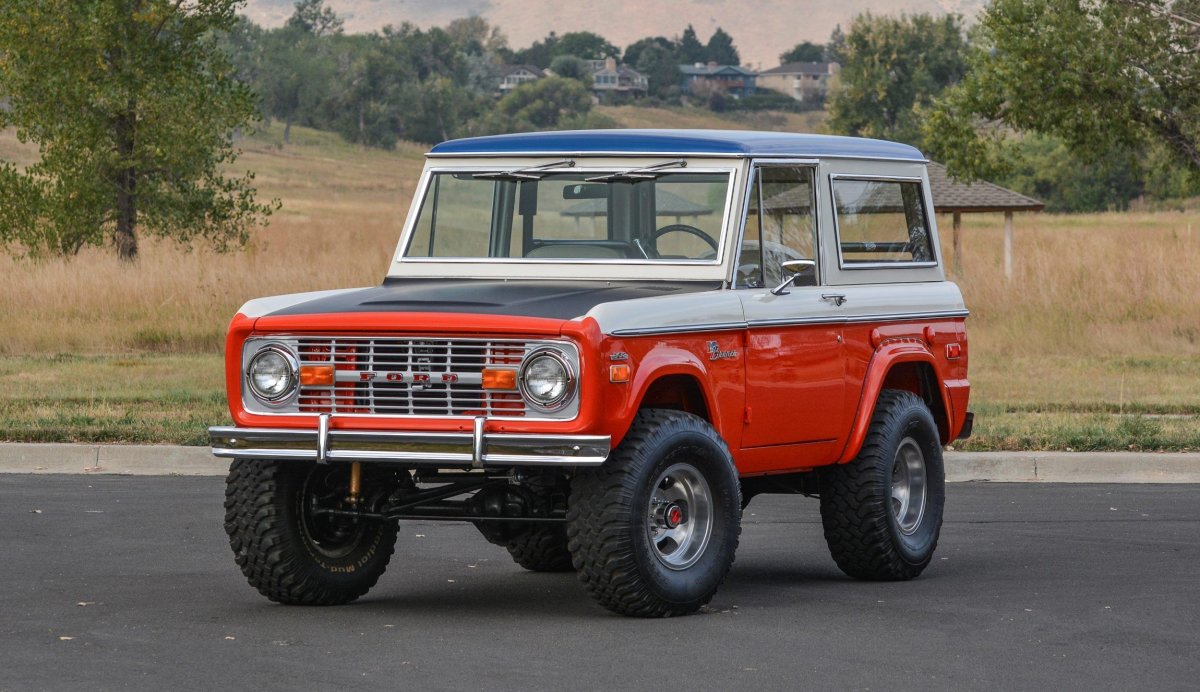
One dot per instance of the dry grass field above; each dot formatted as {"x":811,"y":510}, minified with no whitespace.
{"x":1094,"y":344}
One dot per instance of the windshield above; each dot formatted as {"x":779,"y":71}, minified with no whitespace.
{"x":581,"y":215}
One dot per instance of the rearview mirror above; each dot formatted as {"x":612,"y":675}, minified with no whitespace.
{"x":586,"y":191}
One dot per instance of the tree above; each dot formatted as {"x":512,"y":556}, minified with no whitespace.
{"x":806,"y":51}
{"x":473,"y":35}
{"x":891,"y":67}
{"x":540,"y":53}
{"x":633,"y":52}
{"x":365,"y":103}
{"x":1050,"y":172}
{"x":1103,"y":77}
{"x":835,"y":50}
{"x":571,"y":67}
{"x":132,"y":105}
{"x":295,"y":76}
{"x":585,"y":45}
{"x":661,"y":68}
{"x":721,"y":50}
{"x":690,"y":48}
{"x":313,"y":17}
{"x":439,"y":109}
{"x":540,"y":105}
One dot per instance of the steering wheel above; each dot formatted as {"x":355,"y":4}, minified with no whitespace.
{"x":684,"y":228}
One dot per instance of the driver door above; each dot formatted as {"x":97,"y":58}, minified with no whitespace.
{"x":795,"y":361}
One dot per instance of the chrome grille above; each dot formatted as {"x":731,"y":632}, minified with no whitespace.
{"x":410,"y":377}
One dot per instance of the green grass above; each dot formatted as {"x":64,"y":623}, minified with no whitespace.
{"x":1014,"y":428}
{"x":160,"y":398}
{"x":138,"y":399}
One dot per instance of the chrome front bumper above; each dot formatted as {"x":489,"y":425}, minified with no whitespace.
{"x":475,"y":449}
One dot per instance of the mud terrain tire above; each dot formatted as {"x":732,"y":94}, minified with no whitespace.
{"x":882,"y":512}
{"x":654,"y":530}
{"x":294,"y":557}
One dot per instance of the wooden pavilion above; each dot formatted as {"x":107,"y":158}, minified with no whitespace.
{"x":955,"y":198}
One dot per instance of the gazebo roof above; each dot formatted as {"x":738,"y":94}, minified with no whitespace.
{"x":668,"y":204}
{"x":950,"y":196}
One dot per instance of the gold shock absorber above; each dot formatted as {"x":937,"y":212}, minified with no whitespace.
{"x":355,"y":482}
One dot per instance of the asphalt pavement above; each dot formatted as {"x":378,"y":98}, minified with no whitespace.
{"x":114,"y":582}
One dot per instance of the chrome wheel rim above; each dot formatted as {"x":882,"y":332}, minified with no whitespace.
{"x":679,"y":517}
{"x":909,"y":486}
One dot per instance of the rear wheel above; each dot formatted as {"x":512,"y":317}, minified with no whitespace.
{"x":882,"y":513}
{"x":653,"y":531}
{"x":542,"y":549}
{"x":289,"y":549}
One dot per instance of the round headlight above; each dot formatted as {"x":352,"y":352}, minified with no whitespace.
{"x":547,"y":380}
{"x":272,"y":374}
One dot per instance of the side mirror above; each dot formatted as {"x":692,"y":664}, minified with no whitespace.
{"x":793,"y":269}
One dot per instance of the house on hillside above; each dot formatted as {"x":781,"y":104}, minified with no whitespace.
{"x":807,"y":82}
{"x":512,"y":76}
{"x":734,"y":80}
{"x":610,"y":80}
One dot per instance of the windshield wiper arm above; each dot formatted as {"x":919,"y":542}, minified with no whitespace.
{"x":526,"y":173}
{"x":646,"y":173}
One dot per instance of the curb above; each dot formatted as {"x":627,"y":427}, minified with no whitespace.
{"x":125,"y":460}
{"x":996,"y":467}
{"x":1073,"y":467}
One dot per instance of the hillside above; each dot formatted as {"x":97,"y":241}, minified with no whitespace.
{"x":697,"y":118}
{"x":762,"y":29}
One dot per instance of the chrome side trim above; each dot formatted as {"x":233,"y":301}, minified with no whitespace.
{"x":475,"y":449}
{"x":685,"y":329}
{"x":858,"y":319}
{"x":796,"y":321}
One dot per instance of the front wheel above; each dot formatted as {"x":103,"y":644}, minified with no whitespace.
{"x":882,"y":512}
{"x":291,"y":550}
{"x":653,"y":531}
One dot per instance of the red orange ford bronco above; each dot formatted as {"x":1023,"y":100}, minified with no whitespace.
{"x":597,"y":347}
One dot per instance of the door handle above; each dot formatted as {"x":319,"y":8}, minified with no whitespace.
{"x":836,"y":298}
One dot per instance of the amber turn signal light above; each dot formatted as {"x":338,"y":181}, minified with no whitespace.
{"x":619,"y":373}
{"x":499,"y":379}
{"x":311,"y":375}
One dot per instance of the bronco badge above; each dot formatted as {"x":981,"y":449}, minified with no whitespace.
{"x":715,"y":352}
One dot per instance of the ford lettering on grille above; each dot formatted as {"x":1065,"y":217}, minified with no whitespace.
{"x":410,"y":377}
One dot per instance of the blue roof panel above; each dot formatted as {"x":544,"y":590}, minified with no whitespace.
{"x":672,"y":142}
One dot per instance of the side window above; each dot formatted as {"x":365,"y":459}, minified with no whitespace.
{"x":881,"y":222}
{"x":780,"y":227}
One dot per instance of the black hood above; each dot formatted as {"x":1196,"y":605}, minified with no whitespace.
{"x":524,"y":298}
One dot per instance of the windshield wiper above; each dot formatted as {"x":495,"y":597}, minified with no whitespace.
{"x":646,"y":173}
{"x":527,"y":173}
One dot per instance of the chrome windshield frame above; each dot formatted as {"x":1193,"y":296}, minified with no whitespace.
{"x":631,"y":268}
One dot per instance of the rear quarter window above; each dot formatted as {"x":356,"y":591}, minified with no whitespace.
{"x":881,"y":223}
